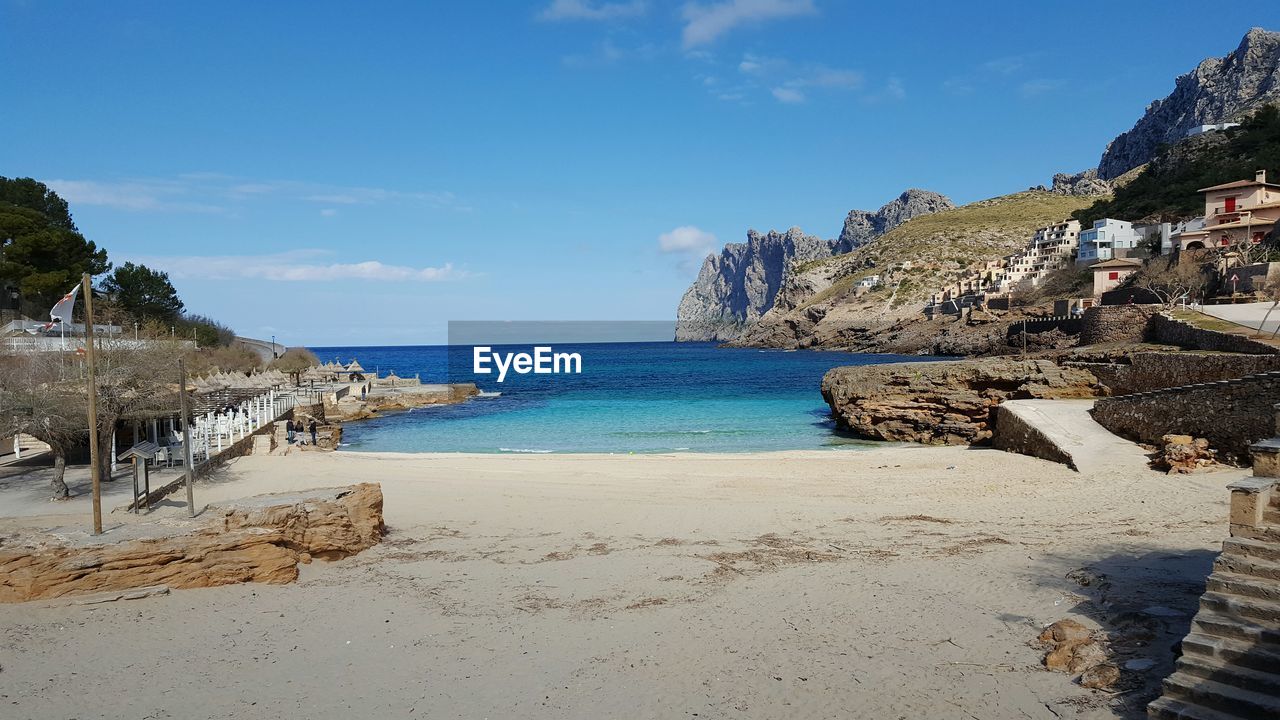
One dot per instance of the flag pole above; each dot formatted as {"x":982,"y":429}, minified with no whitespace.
{"x":186,"y":437}
{"x":95,"y":469}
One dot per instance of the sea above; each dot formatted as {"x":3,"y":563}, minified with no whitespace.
{"x":637,"y":397}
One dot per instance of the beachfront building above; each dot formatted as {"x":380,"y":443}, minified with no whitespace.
{"x":1107,"y":238}
{"x":1109,"y":274}
{"x":1235,"y":212}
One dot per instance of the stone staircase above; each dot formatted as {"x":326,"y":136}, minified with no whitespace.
{"x":1230,"y":664}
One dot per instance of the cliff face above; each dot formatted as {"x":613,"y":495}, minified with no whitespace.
{"x":1218,"y":90}
{"x":735,"y":288}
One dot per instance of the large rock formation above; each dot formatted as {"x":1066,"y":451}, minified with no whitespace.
{"x":1218,"y":90}
{"x":861,"y":227}
{"x":943,"y":403}
{"x":740,"y":284}
{"x":259,"y":539}
{"x":737,"y":286}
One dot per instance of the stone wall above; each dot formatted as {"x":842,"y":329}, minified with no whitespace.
{"x":1169,"y":331}
{"x":1230,"y":414}
{"x":1115,"y":324}
{"x":1149,"y":371}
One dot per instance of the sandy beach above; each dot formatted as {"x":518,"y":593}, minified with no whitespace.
{"x":890,"y":583}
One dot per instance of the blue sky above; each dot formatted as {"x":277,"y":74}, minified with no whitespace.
{"x":339,"y":173}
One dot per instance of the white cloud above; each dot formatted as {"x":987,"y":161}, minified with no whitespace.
{"x":328,"y":212}
{"x":589,"y":10}
{"x":705,"y":23}
{"x":686,"y":239}
{"x":217,"y":193}
{"x":295,"y":266}
{"x":788,"y":95}
{"x":1040,"y":86}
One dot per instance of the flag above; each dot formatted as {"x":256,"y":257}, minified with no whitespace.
{"x":61,"y":312}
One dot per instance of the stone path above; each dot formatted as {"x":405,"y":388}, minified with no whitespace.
{"x":1067,"y":425}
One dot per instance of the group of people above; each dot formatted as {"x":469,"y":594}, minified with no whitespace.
{"x":299,"y":428}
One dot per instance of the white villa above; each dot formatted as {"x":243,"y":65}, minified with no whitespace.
{"x":1101,"y":241}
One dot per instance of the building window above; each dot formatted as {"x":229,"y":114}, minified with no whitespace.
{"x":1113,"y":276}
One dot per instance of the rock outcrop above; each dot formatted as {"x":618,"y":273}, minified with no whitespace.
{"x":1084,"y":183}
{"x":259,"y":539}
{"x":943,"y":403}
{"x":1218,"y":90}
{"x":736,"y":287}
{"x":861,"y":227}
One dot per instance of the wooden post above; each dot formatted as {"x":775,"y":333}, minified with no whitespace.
{"x":95,"y":471}
{"x":186,"y":437}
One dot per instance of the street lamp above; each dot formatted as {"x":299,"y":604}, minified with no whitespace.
{"x":273,"y":347}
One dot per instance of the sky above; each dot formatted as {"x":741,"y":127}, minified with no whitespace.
{"x":363,"y":173}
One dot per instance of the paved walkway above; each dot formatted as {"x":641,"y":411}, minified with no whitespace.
{"x":1068,"y":425}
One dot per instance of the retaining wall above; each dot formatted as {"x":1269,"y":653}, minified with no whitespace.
{"x":1150,"y":371}
{"x":1166,"y":330}
{"x":1230,"y":414}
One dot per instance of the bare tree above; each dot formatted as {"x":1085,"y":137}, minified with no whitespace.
{"x":295,"y":361}
{"x":42,"y":395}
{"x":130,"y":377}
{"x":1171,"y":280}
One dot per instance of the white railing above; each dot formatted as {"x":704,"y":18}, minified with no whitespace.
{"x":216,"y":431}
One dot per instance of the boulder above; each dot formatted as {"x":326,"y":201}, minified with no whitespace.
{"x":259,"y":539}
{"x":1183,"y":454}
{"x":948,"y":403}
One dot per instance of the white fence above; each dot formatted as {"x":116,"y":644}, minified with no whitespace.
{"x":20,"y":343}
{"x":216,"y":431}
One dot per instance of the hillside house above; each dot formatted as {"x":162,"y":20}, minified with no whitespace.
{"x":1235,"y":212}
{"x":1109,"y":274}
{"x":1104,"y":239}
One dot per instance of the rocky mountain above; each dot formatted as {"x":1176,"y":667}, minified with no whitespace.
{"x":861,"y":227}
{"x":1218,"y":90}
{"x":735,"y":288}
{"x":822,"y":304}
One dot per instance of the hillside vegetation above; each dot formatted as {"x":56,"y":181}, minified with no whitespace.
{"x":818,"y":304}
{"x":1166,"y":189}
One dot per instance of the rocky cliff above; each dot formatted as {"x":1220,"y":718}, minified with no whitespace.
{"x":822,"y":305}
{"x":1218,"y":90}
{"x":740,"y":284}
{"x":942,"y":403}
{"x":861,"y":227}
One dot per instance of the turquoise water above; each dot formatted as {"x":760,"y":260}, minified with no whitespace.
{"x":629,"y":398}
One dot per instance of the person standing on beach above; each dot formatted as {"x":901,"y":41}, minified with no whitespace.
{"x":312,"y":428}
{"x":289,"y":428}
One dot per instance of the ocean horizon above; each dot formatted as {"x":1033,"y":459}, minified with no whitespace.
{"x":630,"y":397}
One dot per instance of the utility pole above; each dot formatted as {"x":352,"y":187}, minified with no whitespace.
{"x":186,"y":437}
{"x":95,"y":466}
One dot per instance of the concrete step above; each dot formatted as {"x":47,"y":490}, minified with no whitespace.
{"x":1267,"y":683}
{"x":1254,"y":657}
{"x":1251,"y":548}
{"x":1229,"y":583}
{"x":1166,"y":708}
{"x":1234,"y":628}
{"x":1251,"y":610}
{"x":1251,"y":566}
{"x":1221,"y":697}
{"x":1266,"y":533}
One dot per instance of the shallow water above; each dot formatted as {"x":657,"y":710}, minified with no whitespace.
{"x":629,"y":398}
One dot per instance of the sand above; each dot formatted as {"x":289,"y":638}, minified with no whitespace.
{"x":892,"y":583}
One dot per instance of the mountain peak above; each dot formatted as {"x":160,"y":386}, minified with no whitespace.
{"x":1217,"y":90}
